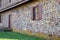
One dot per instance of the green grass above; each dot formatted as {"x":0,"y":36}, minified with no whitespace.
{"x":7,"y":39}
{"x":17,"y":36}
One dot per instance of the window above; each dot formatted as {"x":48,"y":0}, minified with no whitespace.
{"x":0,"y":18}
{"x":0,"y":3}
{"x":9,"y":1}
{"x":37,"y":13}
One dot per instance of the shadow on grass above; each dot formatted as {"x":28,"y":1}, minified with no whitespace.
{"x":19,"y":36}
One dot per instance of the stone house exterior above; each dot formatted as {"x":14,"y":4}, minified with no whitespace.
{"x":35,"y":16}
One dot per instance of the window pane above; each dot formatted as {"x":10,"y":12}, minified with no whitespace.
{"x":36,"y":12}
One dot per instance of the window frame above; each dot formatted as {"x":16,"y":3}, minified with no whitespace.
{"x":39,"y":12}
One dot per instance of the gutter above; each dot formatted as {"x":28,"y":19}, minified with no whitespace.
{"x":13,"y":5}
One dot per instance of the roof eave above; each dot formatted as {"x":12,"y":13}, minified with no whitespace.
{"x":13,"y":5}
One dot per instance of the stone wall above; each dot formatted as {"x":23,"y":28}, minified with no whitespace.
{"x":4,"y":20}
{"x":49,"y":24}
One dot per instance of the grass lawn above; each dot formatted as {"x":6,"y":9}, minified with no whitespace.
{"x":17,"y":36}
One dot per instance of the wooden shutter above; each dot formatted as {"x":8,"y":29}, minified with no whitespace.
{"x":40,"y":11}
{"x":34,"y":13}
{"x":0,"y":18}
{"x":9,"y":25}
